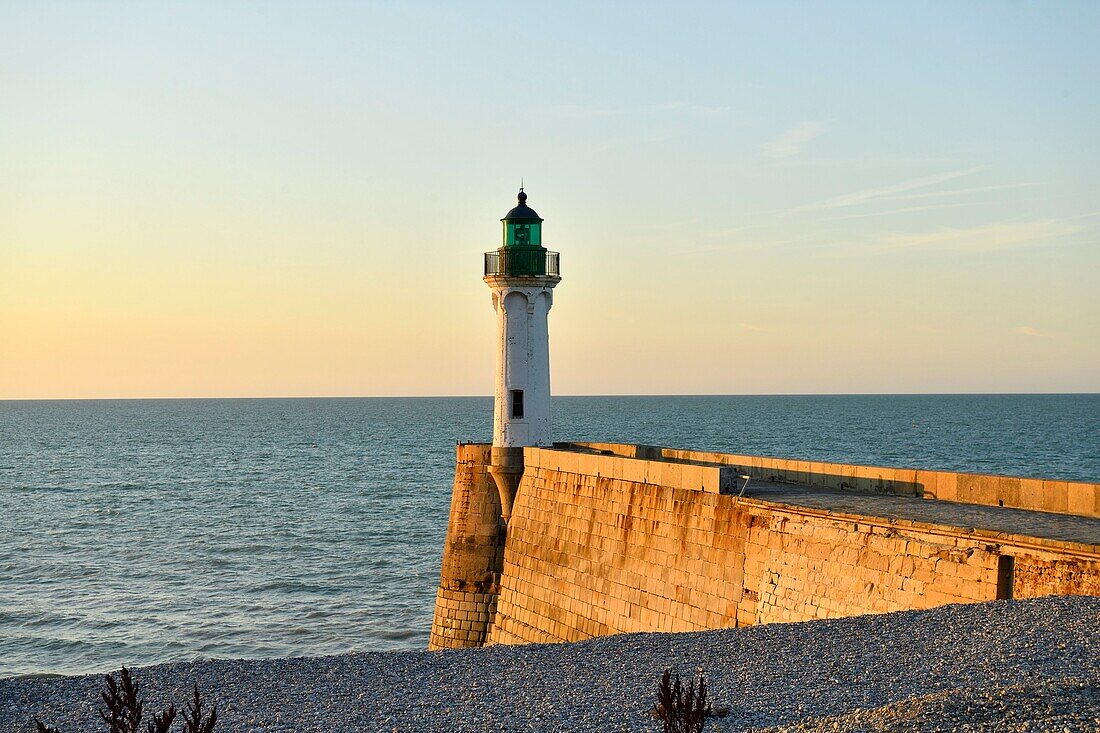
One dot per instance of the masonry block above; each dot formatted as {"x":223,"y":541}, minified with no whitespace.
{"x":1031,"y":493}
{"x":1080,"y":498}
{"x":634,"y":470}
{"x":1056,"y":496}
{"x":691,"y":478}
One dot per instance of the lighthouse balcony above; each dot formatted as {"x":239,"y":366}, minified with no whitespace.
{"x":533,"y":262}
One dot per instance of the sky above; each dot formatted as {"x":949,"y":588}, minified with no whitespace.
{"x":212,"y":199}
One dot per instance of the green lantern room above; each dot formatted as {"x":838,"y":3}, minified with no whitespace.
{"x":522,"y":226}
{"x":521,"y":254}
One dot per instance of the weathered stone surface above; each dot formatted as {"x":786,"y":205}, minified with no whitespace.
{"x":472,"y":556}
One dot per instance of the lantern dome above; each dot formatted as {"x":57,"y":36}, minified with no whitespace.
{"x":522,"y":211}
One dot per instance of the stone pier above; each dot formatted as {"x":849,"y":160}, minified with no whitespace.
{"x":610,"y":538}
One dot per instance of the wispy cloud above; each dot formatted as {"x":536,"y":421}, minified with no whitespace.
{"x":985,"y":238}
{"x":958,"y":191}
{"x":885,"y":192}
{"x":675,"y":107}
{"x":690,"y":108}
{"x":1032,"y":331}
{"x":791,"y":141}
{"x":665,"y":226}
{"x":896,"y":211}
{"x":584,"y":111}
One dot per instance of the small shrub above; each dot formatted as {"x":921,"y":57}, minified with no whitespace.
{"x":682,"y":710}
{"x":123,"y":711}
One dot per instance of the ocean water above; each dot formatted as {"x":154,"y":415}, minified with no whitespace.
{"x":143,"y":531}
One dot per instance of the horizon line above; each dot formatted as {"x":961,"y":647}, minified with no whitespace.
{"x":576,"y":395}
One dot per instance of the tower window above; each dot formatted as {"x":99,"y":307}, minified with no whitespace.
{"x":517,"y":404}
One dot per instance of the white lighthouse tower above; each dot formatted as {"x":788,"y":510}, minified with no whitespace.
{"x":522,"y":275}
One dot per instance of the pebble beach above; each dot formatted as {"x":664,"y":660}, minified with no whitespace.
{"x":1003,"y":665}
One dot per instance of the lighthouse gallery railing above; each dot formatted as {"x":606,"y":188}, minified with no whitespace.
{"x":522,"y":263}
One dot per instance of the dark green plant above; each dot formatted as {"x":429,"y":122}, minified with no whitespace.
{"x":192,"y":718}
{"x":682,"y":710}
{"x":123,"y":711}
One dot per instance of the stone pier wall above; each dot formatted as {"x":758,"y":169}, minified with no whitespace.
{"x":634,"y":540}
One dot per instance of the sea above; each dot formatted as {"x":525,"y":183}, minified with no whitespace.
{"x":144,"y":531}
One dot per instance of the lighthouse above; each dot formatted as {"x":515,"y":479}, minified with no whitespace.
{"x":522,"y":274}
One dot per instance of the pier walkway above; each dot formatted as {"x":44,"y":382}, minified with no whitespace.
{"x":1046,"y":525}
